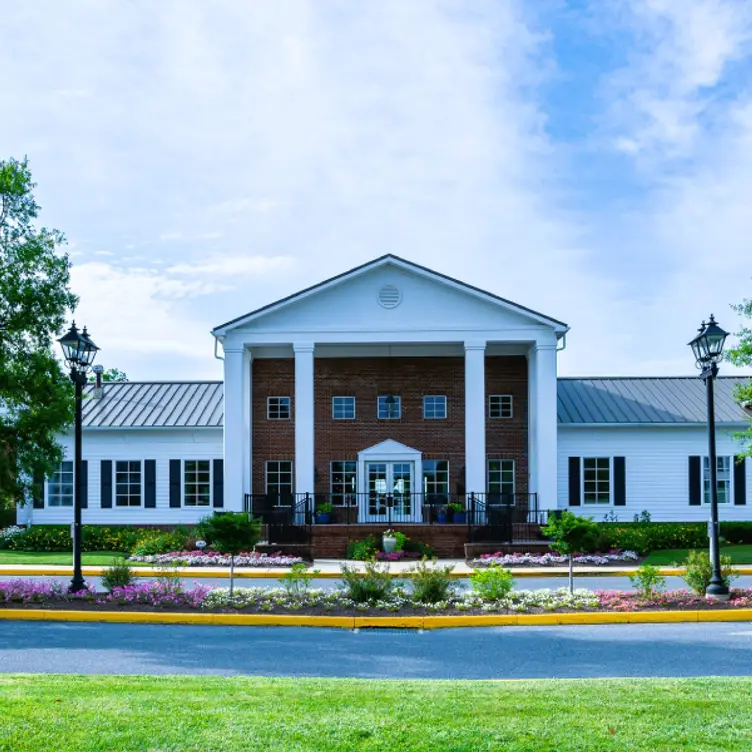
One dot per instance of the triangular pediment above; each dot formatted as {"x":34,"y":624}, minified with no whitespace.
{"x":391,"y":294}
{"x":389,"y":448}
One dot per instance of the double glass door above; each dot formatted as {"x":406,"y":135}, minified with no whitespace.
{"x":389,"y":487}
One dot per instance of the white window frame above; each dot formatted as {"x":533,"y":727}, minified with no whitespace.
{"x":346,"y":400}
{"x":501,"y":472}
{"x":59,"y":496}
{"x":443,"y":401}
{"x":499,"y":400}
{"x":728,"y":481}
{"x":184,"y":485}
{"x":398,"y":416}
{"x":598,"y":504}
{"x":292,"y":476}
{"x":140,"y":504}
{"x":280,"y":400}
{"x":424,"y":479}
{"x":343,"y":494}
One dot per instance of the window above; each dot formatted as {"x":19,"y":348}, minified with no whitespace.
{"x":279,"y":478}
{"x":501,"y":479}
{"x":435,"y":407}
{"x":60,"y":486}
{"x":197,"y":483}
{"x":722,"y":479}
{"x":128,"y":483}
{"x":390,"y":407}
{"x":342,"y":482}
{"x":500,"y":406}
{"x":343,"y":408}
{"x":278,"y":408}
{"x":596,"y":477}
{"x":435,"y":477}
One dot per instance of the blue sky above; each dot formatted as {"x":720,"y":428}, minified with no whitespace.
{"x":589,"y":160}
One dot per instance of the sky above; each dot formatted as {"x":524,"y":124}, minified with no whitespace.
{"x":589,"y":160}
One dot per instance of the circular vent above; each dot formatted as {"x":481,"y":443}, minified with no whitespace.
{"x":389,"y":296}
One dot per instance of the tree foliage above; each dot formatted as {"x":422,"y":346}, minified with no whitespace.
{"x":741,"y":355}
{"x":36,"y":397}
{"x":111,"y":374}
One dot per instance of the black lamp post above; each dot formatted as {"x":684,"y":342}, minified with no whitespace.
{"x":707,"y":347}
{"x":79,"y":353}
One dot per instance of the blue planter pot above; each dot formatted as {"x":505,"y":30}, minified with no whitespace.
{"x":458,"y":518}
{"x":322,"y":519}
{"x":441,"y":517}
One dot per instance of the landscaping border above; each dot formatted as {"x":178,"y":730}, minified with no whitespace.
{"x":384,"y":622}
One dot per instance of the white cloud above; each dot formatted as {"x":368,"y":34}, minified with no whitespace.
{"x":231,"y":266}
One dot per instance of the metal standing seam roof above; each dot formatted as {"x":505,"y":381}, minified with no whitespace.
{"x":646,"y":400}
{"x":134,"y":404}
{"x":594,"y":401}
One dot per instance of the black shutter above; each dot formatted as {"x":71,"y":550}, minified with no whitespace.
{"x":37,"y":492}
{"x":620,"y":482}
{"x":695,"y":481}
{"x":740,"y":480}
{"x":84,"y":484}
{"x":105,"y":484}
{"x":150,"y":484}
{"x":574,"y":481}
{"x":175,"y":484}
{"x":219,"y":483}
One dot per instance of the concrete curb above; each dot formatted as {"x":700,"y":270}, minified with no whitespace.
{"x":394,"y":622}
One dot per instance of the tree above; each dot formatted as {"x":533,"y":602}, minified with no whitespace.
{"x":111,"y":374}
{"x":741,"y":355}
{"x":36,"y":397}
{"x":571,"y":534}
{"x":231,"y":533}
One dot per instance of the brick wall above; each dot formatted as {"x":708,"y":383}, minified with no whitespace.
{"x":366,"y":379}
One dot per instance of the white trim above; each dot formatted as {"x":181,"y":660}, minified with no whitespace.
{"x":279,"y":397}
{"x":182,"y":484}
{"x":489,"y":460}
{"x":596,"y":505}
{"x":445,"y":416}
{"x":389,"y":417}
{"x":142,"y":473}
{"x":345,"y":397}
{"x":732,"y":464}
{"x":501,"y":404}
{"x":292,"y":475}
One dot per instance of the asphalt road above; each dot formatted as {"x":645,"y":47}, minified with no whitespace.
{"x":487,"y":653}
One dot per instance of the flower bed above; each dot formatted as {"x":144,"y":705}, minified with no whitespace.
{"x":554,"y":560}
{"x":398,"y":555}
{"x":216,"y":559}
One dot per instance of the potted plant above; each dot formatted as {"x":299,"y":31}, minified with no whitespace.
{"x":457,"y":511}
{"x":442,"y":515}
{"x":322,"y":513}
{"x":389,"y":541}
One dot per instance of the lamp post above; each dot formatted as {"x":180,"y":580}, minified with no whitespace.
{"x":707,"y":347}
{"x":79,"y":353}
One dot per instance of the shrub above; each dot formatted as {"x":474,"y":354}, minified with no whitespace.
{"x":159,"y":543}
{"x":367,"y":548}
{"x":325,"y":507}
{"x":118,"y":575}
{"x":738,"y":533}
{"x":297,"y":582}
{"x":363,"y":550}
{"x":698,"y":570}
{"x":431,"y":584}
{"x":492,"y":583}
{"x":647,"y":580}
{"x":375,"y":584}
{"x":644,"y":537}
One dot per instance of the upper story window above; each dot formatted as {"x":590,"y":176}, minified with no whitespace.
{"x":500,"y":406}
{"x":596,"y":480}
{"x":128,"y":478}
{"x":722,"y":479}
{"x":278,"y":408}
{"x":343,"y":408}
{"x":197,"y":483}
{"x":435,"y":406}
{"x":390,"y":407}
{"x":60,"y":486}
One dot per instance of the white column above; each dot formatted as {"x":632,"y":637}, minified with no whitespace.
{"x":475,"y":417}
{"x":234,"y":425}
{"x":546,"y":425}
{"x":247,"y":422}
{"x":304,"y":420}
{"x":532,"y":415}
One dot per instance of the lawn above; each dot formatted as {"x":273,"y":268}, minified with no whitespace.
{"x":64,"y":558}
{"x":738,"y":554}
{"x":88,"y":714}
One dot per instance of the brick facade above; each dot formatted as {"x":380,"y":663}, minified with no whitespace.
{"x":411,"y":379}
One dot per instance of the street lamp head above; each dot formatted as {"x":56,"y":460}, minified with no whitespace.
{"x":78,"y":348}
{"x":707,"y":346}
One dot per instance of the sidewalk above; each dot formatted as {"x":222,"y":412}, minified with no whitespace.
{"x":328,"y":569}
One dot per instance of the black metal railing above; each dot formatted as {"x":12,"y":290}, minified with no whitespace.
{"x":288,"y":519}
{"x":504,"y":518}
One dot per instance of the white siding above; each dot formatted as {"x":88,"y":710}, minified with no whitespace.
{"x":157,"y":444}
{"x":657,"y":470}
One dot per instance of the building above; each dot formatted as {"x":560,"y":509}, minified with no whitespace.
{"x":387,"y":391}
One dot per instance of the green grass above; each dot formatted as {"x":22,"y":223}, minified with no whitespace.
{"x":92,"y":558}
{"x":171,"y":714}
{"x":738,"y":554}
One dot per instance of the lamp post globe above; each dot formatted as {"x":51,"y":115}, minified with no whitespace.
{"x":79,"y":352}
{"x":707,"y":348}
